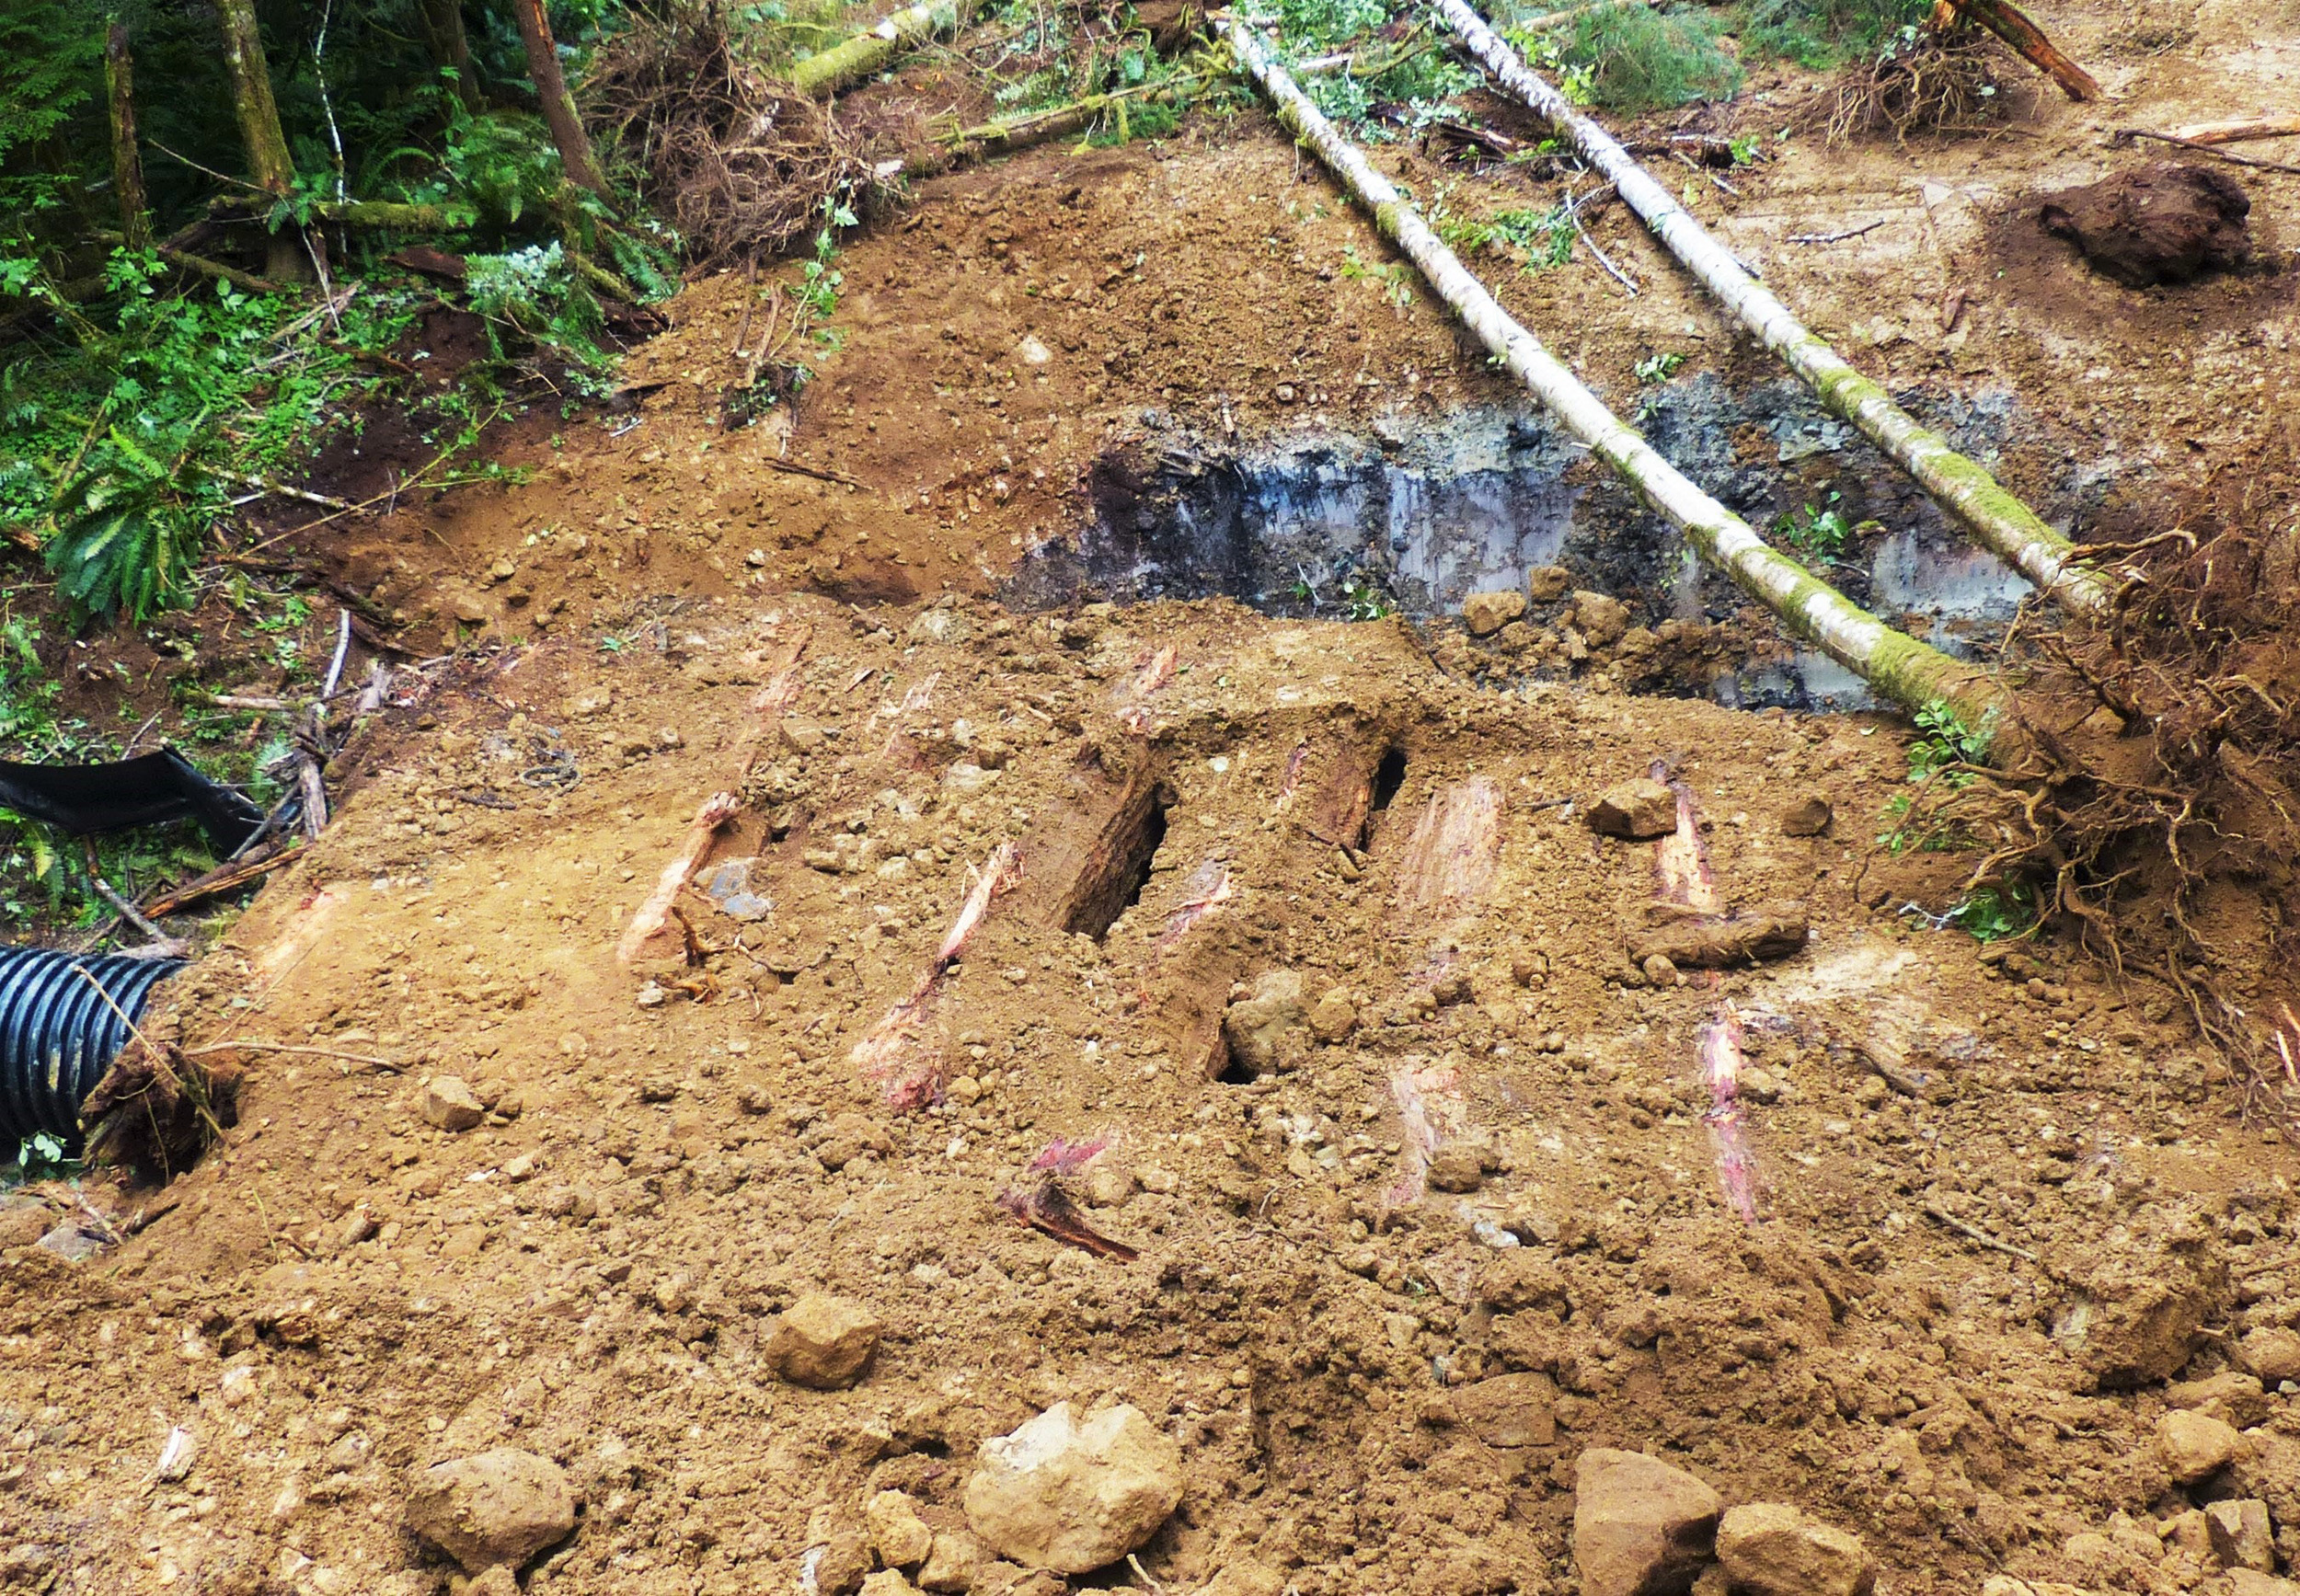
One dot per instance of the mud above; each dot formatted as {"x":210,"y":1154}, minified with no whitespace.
{"x":2161,"y":223}
{"x":1429,"y":1186}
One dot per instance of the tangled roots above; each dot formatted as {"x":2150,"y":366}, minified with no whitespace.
{"x":1934,"y":84}
{"x":742,"y":165}
{"x":2154,"y":798}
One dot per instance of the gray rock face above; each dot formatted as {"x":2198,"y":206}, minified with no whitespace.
{"x":1640,"y":1528}
{"x":1071,"y":1496}
{"x":1772,"y":1549}
{"x":499,"y":1507}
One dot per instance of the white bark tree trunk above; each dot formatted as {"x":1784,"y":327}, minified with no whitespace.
{"x":1901,"y":669}
{"x":856,"y":57}
{"x":1991,"y":515}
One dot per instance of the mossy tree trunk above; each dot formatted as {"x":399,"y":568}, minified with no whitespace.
{"x":135,"y":223}
{"x":1990,"y":515}
{"x":269,"y":167}
{"x":851,"y":60}
{"x":449,"y":49}
{"x":1898,"y":667}
{"x":558,"y":104}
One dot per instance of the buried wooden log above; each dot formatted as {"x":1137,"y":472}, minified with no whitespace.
{"x":854,"y":59}
{"x":1455,"y":847}
{"x":1720,"y":1074}
{"x":884,"y":1056}
{"x":715,"y":814}
{"x":1898,"y":667}
{"x":2012,"y":25}
{"x":1689,"y":923}
{"x":2238,"y":131}
{"x":1990,"y":515}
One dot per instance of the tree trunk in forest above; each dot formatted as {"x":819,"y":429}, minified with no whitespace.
{"x":136,"y":225}
{"x":1993,"y":517}
{"x":449,"y":49}
{"x":1898,"y":667}
{"x":559,"y":104}
{"x":269,"y":164}
{"x":855,"y":59}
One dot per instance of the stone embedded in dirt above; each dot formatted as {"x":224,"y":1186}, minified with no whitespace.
{"x":1067,"y":1497}
{"x":2272,"y":1353}
{"x":1635,"y":811}
{"x":1245,"y":1580}
{"x":2250,"y":1582}
{"x":2139,"y":1319}
{"x":952,"y":1562}
{"x":2160,"y":224}
{"x":1547,"y":583}
{"x":899,"y":1535}
{"x":1255,"y":1026}
{"x":887,"y":1582}
{"x":1640,"y":1527}
{"x":841,"y":1563}
{"x":450,"y":1104}
{"x":1772,"y":1549}
{"x":2195,"y":1445}
{"x":2231,"y":1394}
{"x":1600,"y":617}
{"x":1486,"y":613}
{"x":1807,"y":816}
{"x":502,"y":1506}
{"x":1333,"y":1017}
{"x":1110,"y":1183}
{"x":1509,"y":1410}
{"x":822,"y":1341}
{"x":1457,"y":1166}
{"x":2241,"y":1535}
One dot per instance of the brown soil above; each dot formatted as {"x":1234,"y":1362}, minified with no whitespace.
{"x":2000,"y":1202}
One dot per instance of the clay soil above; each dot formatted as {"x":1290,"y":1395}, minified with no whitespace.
{"x":2002,"y":1203}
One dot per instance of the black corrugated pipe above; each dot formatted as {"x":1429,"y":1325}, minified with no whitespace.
{"x":58,"y":1035}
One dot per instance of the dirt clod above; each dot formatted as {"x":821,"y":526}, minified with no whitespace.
{"x":2272,"y":1353}
{"x":1486,"y":613}
{"x":2195,"y":1446}
{"x":1068,"y":1496}
{"x":1773,"y":1549}
{"x":1635,"y":811}
{"x":1640,"y":1527}
{"x":898,"y":1534}
{"x":2160,"y":224}
{"x":822,"y":1341}
{"x":498,"y":1507}
{"x":1807,"y":816}
{"x":2241,"y":1535}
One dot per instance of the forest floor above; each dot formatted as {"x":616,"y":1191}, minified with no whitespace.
{"x":2009,"y":1213}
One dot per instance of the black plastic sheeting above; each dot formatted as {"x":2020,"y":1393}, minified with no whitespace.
{"x":58,"y":1035}
{"x":146,"y":790}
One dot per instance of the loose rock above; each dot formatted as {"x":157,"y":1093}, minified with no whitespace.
{"x":2272,"y":1353}
{"x":450,"y":1104}
{"x":1068,"y":1496}
{"x":899,"y":1535}
{"x":502,"y":1506}
{"x":2241,"y":1536}
{"x":952,"y":1562}
{"x":1602,"y":619}
{"x":1255,"y":1026}
{"x":1636,"y":810}
{"x":1808,"y":817}
{"x":822,"y":1341}
{"x":2194,"y":1445}
{"x":1772,"y":1549}
{"x":1486,"y":613}
{"x":1640,"y":1528}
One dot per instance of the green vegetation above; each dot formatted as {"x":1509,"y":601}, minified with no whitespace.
{"x":1365,"y":598}
{"x":1821,"y":34}
{"x":1995,"y":913}
{"x":1941,"y":756}
{"x":1660,"y":366}
{"x":1640,"y":59}
{"x":1818,"y":536}
{"x":1538,"y":240}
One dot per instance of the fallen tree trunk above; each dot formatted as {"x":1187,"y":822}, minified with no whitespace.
{"x":994,"y":138}
{"x":2012,"y":25}
{"x":1898,"y":667}
{"x":2235,"y":132}
{"x":1960,"y":485}
{"x":855,"y":59}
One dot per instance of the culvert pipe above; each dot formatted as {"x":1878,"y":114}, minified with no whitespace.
{"x":58,"y":1034}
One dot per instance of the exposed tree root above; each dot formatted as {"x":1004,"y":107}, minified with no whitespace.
{"x":1941,"y":83}
{"x":742,"y":165}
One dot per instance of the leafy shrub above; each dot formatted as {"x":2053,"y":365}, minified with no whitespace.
{"x":1640,"y":59}
{"x":1820,"y":34}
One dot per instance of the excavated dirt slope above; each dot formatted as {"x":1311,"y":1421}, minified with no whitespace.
{"x":1437,"y":1209}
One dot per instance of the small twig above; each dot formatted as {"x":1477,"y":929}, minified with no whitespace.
{"x":263,"y":1046}
{"x":279,"y":490}
{"x":128,"y":912}
{"x":1135,"y":1562}
{"x":1974,"y":1232}
{"x":819,"y":475}
{"x":335,"y":666}
{"x":1574,"y":214}
{"x":1836,"y":237}
{"x":2125,"y":135}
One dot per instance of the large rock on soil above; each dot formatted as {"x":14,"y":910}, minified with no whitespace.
{"x":822,"y":1341}
{"x":1771,"y":1549}
{"x":1068,"y":1496}
{"x":1636,"y":810}
{"x":2195,"y":1445}
{"x":1640,"y":1528}
{"x":500,"y":1507}
{"x":2160,"y":224}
